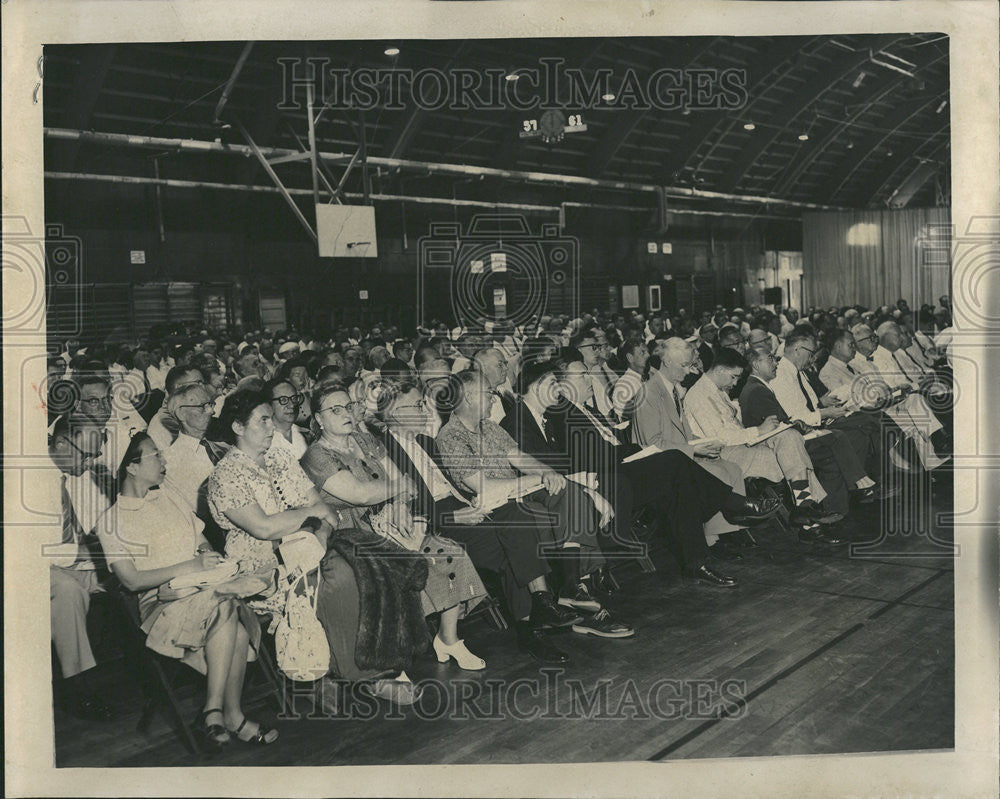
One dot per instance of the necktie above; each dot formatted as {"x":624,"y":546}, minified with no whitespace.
{"x":805,"y":393}
{"x":72,"y":530}
{"x":214,"y":455}
{"x":849,"y":369}
{"x":677,"y":401}
{"x":899,"y":363}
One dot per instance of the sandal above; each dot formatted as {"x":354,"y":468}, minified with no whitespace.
{"x":259,"y":738}
{"x":211,"y":734}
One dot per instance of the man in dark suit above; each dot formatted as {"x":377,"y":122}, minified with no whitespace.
{"x":580,"y":440}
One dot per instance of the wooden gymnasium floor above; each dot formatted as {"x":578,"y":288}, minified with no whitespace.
{"x":816,"y":652}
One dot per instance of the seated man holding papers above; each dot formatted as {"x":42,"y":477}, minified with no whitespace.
{"x":771,"y":450}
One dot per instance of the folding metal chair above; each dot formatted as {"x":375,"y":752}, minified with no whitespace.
{"x":159,"y":673}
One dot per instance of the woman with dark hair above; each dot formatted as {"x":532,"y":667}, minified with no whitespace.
{"x":150,"y":536}
{"x":259,"y":494}
{"x":352,"y":469}
{"x":286,"y":402}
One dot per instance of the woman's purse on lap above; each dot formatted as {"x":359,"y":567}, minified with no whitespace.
{"x":301,"y":551}
{"x":300,"y":640}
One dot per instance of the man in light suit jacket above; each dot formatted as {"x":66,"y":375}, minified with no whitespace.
{"x":659,"y":422}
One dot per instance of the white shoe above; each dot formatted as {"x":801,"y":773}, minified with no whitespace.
{"x":463,"y":657}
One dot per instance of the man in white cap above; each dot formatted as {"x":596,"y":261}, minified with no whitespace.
{"x":287,"y":351}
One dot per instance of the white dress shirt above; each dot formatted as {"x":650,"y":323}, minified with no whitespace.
{"x":711,"y":414}
{"x":188,"y":467}
{"x":89,"y":504}
{"x":889,"y":369}
{"x":788,"y":387}
{"x":297,"y":446}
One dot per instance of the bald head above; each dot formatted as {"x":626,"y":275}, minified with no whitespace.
{"x":890,"y":336}
{"x":864,"y":338}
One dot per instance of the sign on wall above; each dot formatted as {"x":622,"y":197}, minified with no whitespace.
{"x":630,"y":296}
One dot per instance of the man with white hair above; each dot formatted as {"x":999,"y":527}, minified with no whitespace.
{"x":191,"y":457}
{"x":493,"y":366}
{"x":659,"y":422}
{"x":911,"y":413}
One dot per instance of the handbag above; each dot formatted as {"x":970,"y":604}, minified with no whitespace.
{"x":301,"y":645}
{"x":301,"y":551}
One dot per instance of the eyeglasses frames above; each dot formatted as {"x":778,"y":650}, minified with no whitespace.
{"x":294,"y":399}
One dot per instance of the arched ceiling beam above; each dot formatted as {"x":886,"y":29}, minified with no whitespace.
{"x":626,"y":120}
{"x":764,"y":67}
{"x":877,"y":93}
{"x":403,"y":132}
{"x":885,"y":177}
{"x":865,"y":149}
{"x":842,"y":67}
{"x":511,"y":144}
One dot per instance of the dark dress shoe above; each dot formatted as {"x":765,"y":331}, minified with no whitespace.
{"x":545,"y":612}
{"x":603,"y":625}
{"x":705,"y":575}
{"x":723,"y":551}
{"x":817,"y":535}
{"x":876,"y":493}
{"x":603,"y":581}
{"x":579,"y":598}
{"x":536,"y":644}
{"x":752,"y":510}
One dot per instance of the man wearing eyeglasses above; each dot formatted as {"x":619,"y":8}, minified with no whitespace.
{"x":799,"y":401}
{"x":117,"y":420}
{"x":71,"y":492}
{"x":191,"y":457}
{"x":163,"y":427}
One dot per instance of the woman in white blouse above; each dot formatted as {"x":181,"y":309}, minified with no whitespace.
{"x":151,"y":536}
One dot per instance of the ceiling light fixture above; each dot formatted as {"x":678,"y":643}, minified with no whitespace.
{"x":749,"y":126}
{"x":803,"y":137}
{"x":607,"y":97}
{"x":392,"y":51}
{"x":512,"y":76}
{"x":940,"y":108}
{"x":859,"y":79}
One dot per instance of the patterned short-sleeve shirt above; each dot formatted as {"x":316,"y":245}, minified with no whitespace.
{"x":238,"y":482}
{"x":484,"y":451}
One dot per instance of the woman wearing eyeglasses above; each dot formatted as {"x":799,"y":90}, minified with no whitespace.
{"x":286,"y":401}
{"x":352,"y":470}
{"x":367,"y":603}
